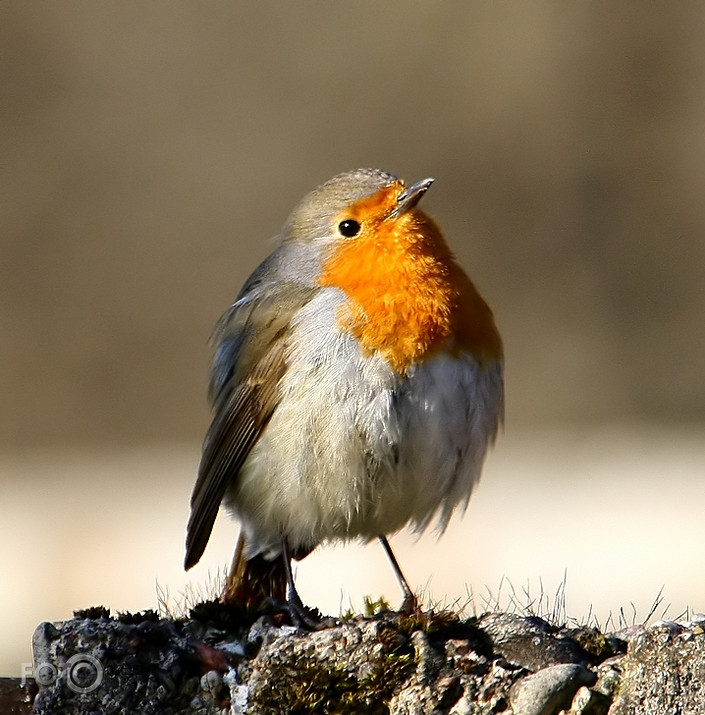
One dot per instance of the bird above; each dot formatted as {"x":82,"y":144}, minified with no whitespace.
{"x":356,"y":386}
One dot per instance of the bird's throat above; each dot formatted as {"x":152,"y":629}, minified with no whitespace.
{"x":408,"y":298}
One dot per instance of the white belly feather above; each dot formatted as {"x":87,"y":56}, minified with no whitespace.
{"x":353,"y":450}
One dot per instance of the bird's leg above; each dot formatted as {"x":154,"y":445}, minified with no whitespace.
{"x":306,"y":618}
{"x":295,"y":603}
{"x":410,"y":602}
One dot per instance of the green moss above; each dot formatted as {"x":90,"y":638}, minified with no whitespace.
{"x":430,"y":622}
{"x":325,"y":687}
{"x":372,"y":607}
{"x":322,"y":689}
{"x":594,"y":643}
{"x":444,"y":623}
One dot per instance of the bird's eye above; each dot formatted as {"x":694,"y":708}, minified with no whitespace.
{"x":349,"y":228}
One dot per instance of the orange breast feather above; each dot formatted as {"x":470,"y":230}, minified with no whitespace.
{"x":408,"y":298}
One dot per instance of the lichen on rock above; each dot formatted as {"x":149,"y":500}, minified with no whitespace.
{"x":222,"y":660}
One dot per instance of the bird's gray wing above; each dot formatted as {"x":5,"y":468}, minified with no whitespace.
{"x":249,"y":362}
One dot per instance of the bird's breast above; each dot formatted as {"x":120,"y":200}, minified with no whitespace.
{"x":355,"y":449}
{"x":407,"y":298}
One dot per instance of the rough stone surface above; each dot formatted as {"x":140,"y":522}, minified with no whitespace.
{"x":126,"y":665}
{"x":663,"y":671}
{"x":229,"y":663}
{"x":529,"y":641}
{"x":589,"y":702}
{"x":549,"y":690}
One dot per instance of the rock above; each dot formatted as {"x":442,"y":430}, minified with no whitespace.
{"x":354,"y":666}
{"x":548,"y":690}
{"x":529,"y":641}
{"x":663,"y":671}
{"x":589,"y":702}
{"x":225,"y":661}
{"x":452,"y":678}
{"x":125,"y":665}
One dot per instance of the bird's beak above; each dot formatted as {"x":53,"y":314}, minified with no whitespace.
{"x":410,"y":197}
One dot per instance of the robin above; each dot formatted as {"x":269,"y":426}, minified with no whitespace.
{"x":357,"y":382}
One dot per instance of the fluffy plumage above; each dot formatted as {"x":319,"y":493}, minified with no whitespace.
{"x":356,"y":383}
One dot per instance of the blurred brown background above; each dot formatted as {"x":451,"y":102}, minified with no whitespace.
{"x":150,"y":150}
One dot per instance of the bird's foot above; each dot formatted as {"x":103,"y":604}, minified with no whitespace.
{"x":308,"y":619}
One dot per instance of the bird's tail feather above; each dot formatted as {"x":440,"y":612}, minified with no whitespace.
{"x":252,"y":581}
